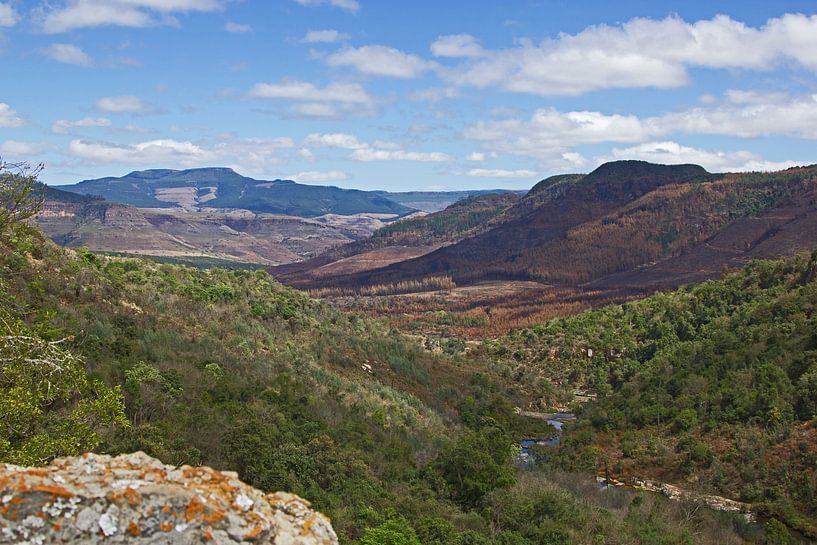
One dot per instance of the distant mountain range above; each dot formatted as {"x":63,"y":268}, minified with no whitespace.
{"x":628,"y":223}
{"x":199,"y":188}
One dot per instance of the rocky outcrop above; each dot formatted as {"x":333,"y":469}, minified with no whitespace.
{"x":135,"y":499}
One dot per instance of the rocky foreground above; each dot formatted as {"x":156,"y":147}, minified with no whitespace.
{"x":136,"y":499}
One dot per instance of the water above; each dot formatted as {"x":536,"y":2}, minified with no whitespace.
{"x":554,"y":441}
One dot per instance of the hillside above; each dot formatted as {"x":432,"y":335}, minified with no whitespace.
{"x":620,"y":217}
{"x":231,"y":369}
{"x":404,"y":239}
{"x":712,"y":387}
{"x":74,"y":220}
{"x":435,"y":201}
{"x":224,"y":188}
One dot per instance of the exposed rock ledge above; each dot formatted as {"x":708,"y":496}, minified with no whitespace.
{"x":135,"y":499}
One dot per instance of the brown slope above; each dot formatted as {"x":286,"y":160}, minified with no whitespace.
{"x":618,"y":220}
{"x":545,"y":215}
{"x":406,"y":239}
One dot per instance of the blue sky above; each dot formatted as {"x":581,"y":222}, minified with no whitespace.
{"x":405,"y":95}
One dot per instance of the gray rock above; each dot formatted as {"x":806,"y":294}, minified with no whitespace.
{"x":135,"y":499}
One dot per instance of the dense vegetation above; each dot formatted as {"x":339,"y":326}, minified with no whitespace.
{"x":229,"y":368}
{"x":713,"y":386}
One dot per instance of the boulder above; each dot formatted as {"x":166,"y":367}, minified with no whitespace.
{"x":136,"y":499}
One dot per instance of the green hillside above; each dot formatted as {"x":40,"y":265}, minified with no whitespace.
{"x":713,"y":387}
{"x":231,"y":369}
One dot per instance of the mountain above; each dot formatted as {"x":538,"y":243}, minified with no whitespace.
{"x":404,"y":239}
{"x":224,"y":188}
{"x":627,"y":218}
{"x":75,"y":220}
{"x":434,"y":201}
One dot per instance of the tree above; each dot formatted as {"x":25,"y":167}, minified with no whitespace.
{"x":392,"y":532}
{"x":21,"y":195}
{"x":48,"y":405}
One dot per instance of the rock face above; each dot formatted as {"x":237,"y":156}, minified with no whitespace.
{"x":135,"y":499}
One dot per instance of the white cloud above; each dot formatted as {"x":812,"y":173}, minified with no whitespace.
{"x":714,"y":161}
{"x":8,"y":16}
{"x":349,"y":5}
{"x":324,"y":37}
{"x":499,"y":173}
{"x":75,"y":14}
{"x":68,"y":54}
{"x":456,"y":46}
{"x":237,"y":28}
{"x":20,"y":150}
{"x":124,"y":104}
{"x":316,"y":177}
{"x":64,"y":126}
{"x":372,"y":154}
{"x":348,"y":93}
{"x":9,"y":119}
{"x":314,"y":101}
{"x":335,"y":140}
{"x":640,"y":53}
{"x":550,"y":136}
{"x":247,"y":154}
{"x":376,"y":151}
{"x":748,"y":114}
{"x":475,"y":156}
{"x":380,"y":60}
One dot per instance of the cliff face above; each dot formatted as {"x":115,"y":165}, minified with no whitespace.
{"x":136,"y":499}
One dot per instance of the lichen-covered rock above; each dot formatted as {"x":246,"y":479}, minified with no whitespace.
{"x":136,"y":499}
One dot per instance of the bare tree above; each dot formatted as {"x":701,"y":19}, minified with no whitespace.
{"x":21,"y":194}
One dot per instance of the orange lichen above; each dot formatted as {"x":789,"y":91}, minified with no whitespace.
{"x":133,"y":496}
{"x":166,"y":526}
{"x":194,"y":508}
{"x":134,"y":530}
{"x":254,"y":533}
{"x":52,"y":489}
{"x":207,"y":534}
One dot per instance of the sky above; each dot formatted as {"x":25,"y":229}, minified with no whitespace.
{"x":395,"y":95}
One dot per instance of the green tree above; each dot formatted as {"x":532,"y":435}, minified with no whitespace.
{"x":48,"y":405}
{"x":479,"y":462}
{"x":21,"y":195}
{"x":392,"y":532}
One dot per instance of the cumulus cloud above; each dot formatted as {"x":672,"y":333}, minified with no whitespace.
{"x":324,"y":37}
{"x":75,"y":14}
{"x":349,"y":5}
{"x":380,"y":60}
{"x":334,"y":140}
{"x":20,"y":150}
{"x":8,"y":16}
{"x":550,"y":136}
{"x":64,"y":126}
{"x":372,"y":154}
{"x":68,"y":54}
{"x":715,"y":161}
{"x":375,"y":151}
{"x":456,"y":46}
{"x":316,"y":177}
{"x":499,"y":173}
{"x":127,"y":104}
{"x":9,"y":119}
{"x":247,"y":154}
{"x":639,"y":53}
{"x":237,"y":28}
{"x":314,"y":101}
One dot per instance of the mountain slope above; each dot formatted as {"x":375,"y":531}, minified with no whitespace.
{"x":404,"y":239}
{"x":75,"y":220}
{"x":225,"y":188}
{"x":622,"y":216}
